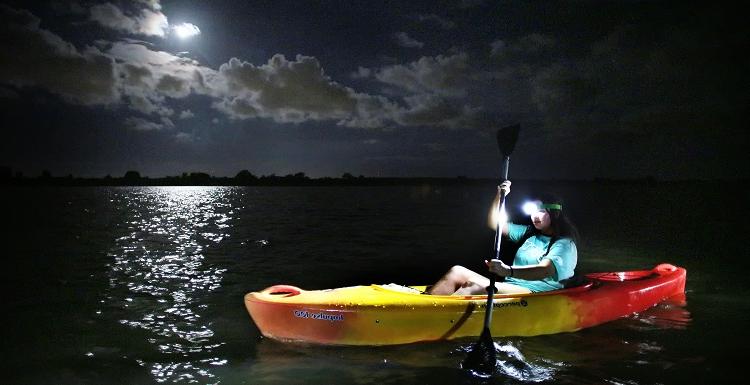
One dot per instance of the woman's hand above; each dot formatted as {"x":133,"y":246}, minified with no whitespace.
{"x":498,"y":267}
{"x":504,"y":187}
{"x":493,"y":218}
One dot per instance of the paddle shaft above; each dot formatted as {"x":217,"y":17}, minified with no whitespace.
{"x":482,"y":357}
{"x":498,"y":239}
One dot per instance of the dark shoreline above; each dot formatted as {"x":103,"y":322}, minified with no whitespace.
{"x":205,"y":180}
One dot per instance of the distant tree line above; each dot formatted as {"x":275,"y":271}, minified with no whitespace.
{"x":246,"y":178}
{"x":243,"y":178}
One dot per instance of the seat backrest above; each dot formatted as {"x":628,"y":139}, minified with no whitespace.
{"x":575,"y":280}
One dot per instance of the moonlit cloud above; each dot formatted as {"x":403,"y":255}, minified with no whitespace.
{"x":158,"y":73}
{"x":106,"y":74}
{"x":153,"y":4}
{"x":447,"y":75}
{"x":361,"y":73}
{"x":149,"y":22}
{"x":186,"y":30}
{"x":173,"y":86}
{"x":281,"y":90}
{"x":289,"y":91}
{"x":440,"y":71}
{"x":150,"y":79}
{"x":285,"y":91}
{"x":109,"y":15}
{"x":403,"y":39}
{"x":140,"y":124}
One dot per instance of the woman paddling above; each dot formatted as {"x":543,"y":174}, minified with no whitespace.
{"x":547,"y":254}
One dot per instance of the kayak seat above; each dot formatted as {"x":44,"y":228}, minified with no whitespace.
{"x":574,"y":281}
{"x":402,"y":288}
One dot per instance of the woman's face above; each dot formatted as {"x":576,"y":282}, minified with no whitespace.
{"x":541,"y":220}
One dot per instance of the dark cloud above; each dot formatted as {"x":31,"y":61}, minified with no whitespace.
{"x":136,"y":75}
{"x":447,"y":75}
{"x":470,"y":3}
{"x":534,"y":48}
{"x":149,"y":105}
{"x":32,"y":56}
{"x":140,"y":124}
{"x":9,"y":93}
{"x":186,"y":114}
{"x":173,"y":86}
{"x":433,"y":18}
{"x":434,"y":111}
{"x":404,"y":40}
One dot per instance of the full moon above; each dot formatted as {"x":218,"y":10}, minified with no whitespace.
{"x":186,"y":30}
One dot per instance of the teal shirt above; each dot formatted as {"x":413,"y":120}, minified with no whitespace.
{"x":563,"y":255}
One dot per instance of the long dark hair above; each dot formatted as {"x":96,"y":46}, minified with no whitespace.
{"x":562,"y":227}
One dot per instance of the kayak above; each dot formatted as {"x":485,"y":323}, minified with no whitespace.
{"x":379,"y":315}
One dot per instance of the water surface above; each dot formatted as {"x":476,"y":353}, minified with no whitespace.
{"x":145,"y":284}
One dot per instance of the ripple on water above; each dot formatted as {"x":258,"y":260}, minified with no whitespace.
{"x":159,"y":277}
{"x":512,"y":363}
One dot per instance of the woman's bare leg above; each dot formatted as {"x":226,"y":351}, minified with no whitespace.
{"x":456,"y":278}
{"x":462,"y":281}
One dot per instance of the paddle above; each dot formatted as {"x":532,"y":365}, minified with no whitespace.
{"x":482,"y":357}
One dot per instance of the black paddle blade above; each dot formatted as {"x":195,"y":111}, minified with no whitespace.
{"x":507,"y":137}
{"x":482,"y":358}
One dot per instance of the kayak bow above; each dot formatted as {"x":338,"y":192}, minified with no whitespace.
{"x":376,"y":315}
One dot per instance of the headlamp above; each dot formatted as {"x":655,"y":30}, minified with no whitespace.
{"x":534,"y":207}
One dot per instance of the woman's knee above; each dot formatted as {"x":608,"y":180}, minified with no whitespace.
{"x":462,"y":274}
{"x":458,"y":271}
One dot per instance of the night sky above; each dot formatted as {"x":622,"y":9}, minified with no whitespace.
{"x":381,"y":88}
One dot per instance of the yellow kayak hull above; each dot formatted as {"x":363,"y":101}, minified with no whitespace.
{"x":377,"y":315}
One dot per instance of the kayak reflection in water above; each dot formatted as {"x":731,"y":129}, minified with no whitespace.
{"x":546,"y":257}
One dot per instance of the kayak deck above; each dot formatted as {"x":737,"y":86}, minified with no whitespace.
{"x":377,"y":315}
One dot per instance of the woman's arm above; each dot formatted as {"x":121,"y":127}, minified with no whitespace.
{"x":542,"y":270}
